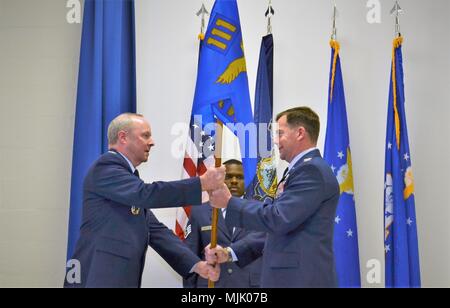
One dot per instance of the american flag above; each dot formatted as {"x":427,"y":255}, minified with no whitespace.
{"x":199,"y":156}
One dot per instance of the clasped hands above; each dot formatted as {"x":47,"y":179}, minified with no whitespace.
{"x":210,"y":269}
{"x":207,"y":271}
{"x":216,"y":255}
{"x":212,"y":181}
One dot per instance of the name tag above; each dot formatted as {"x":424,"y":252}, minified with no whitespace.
{"x":206,"y":228}
{"x":307,"y":159}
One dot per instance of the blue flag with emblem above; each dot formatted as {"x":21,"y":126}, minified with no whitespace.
{"x":222,"y":92}
{"x":400,"y":225}
{"x":106,"y":88}
{"x":337,"y":153}
{"x":265,"y":181}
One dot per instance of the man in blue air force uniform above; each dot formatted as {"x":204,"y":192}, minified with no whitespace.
{"x":117,"y":224}
{"x":298,"y":251}
{"x":235,"y":240}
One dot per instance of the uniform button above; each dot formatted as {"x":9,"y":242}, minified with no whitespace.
{"x":230,"y":271}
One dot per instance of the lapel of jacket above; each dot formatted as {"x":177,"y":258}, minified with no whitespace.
{"x":236,"y":233}
{"x":125,"y":164}
{"x":122,"y":160}
{"x":221,"y":225}
{"x":305,"y":159}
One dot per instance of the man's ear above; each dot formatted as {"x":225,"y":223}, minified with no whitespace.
{"x":301,"y":133}
{"x":122,"y":137}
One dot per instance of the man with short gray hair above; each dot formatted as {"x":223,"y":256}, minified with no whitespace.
{"x":117,"y":223}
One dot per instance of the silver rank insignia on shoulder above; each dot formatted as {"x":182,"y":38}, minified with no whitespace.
{"x":187,"y":231}
{"x":135,"y":211}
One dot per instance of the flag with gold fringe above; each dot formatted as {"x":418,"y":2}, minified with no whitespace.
{"x":400,"y":225}
{"x":337,"y":153}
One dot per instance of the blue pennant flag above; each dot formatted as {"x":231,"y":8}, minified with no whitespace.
{"x":222,"y":86}
{"x":338,"y":155}
{"x":265,"y":181}
{"x":106,"y":88}
{"x":221,"y":95}
{"x":400,"y":225}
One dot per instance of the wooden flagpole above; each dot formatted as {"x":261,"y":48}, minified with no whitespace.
{"x":215,"y":213}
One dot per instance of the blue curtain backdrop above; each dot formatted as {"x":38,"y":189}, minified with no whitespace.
{"x":106,"y":88}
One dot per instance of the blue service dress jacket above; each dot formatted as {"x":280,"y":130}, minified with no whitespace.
{"x":232,"y":275}
{"x":300,"y":222}
{"x":113,"y":240}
